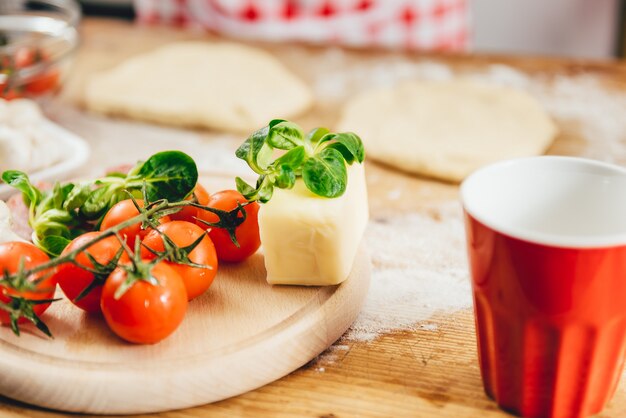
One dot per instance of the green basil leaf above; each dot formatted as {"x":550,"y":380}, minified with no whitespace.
{"x":20,"y":181}
{"x":284,"y":135}
{"x":320,"y":158}
{"x":133,"y":171}
{"x":51,"y":228}
{"x":264,"y":157}
{"x":170,"y":175}
{"x":255,"y":151}
{"x":326,"y":138}
{"x":285,"y":177}
{"x":53,"y":244}
{"x":244,"y":188}
{"x":97,"y":203}
{"x":325,"y":173}
{"x":60,"y":194}
{"x":77,"y":196}
{"x":117,"y":174}
{"x":349,"y":145}
{"x":54,"y":215}
{"x":275,"y":122}
{"x":293,"y":158}
{"x":265,"y":191}
{"x":314,"y":136}
{"x":52,"y":222}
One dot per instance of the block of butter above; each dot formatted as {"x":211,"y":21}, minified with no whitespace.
{"x":311,"y":240}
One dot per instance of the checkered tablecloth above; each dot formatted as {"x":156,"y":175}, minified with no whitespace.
{"x":409,"y":24}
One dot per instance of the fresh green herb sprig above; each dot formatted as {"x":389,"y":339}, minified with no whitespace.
{"x":319,"y":158}
{"x":61,"y":214}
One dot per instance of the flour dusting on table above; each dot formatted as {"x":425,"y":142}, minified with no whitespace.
{"x":419,"y":268}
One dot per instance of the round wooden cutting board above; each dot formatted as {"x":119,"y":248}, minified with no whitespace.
{"x":240,"y":335}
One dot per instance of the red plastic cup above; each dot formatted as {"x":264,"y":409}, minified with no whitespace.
{"x":547,"y":248}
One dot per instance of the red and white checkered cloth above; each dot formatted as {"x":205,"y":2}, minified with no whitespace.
{"x":411,"y":24}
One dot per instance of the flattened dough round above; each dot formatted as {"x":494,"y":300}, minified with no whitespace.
{"x":224,"y":86}
{"x":447,"y":129}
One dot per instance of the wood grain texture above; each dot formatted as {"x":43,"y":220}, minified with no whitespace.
{"x":422,"y":373}
{"x":238,"y":336}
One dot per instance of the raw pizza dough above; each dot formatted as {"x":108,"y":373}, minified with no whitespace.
{"x":448,"y":129}
{"x":223,"y":86}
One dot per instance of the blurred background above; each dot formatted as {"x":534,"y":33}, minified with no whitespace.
{"x":572,"y":28}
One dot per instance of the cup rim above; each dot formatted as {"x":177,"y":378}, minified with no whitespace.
{"x":541,"y":238}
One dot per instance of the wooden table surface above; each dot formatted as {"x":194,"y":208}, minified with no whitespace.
{"x":421,"y":373}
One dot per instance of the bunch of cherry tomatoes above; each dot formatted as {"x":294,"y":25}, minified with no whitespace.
{"x":142,"y":295}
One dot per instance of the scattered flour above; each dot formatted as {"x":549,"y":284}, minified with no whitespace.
{"x":429,"y":327}
{"x":333,"y":354}
{"x":419,"y":269}
{"x":581,"y":105}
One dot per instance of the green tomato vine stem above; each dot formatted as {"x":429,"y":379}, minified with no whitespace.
{"x":153,"y":211}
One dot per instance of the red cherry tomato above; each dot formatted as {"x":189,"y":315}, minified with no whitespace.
{"x":11,"y":254}
{"x":73,"y":279}
{"x":25,"y":57}
{"x":189,"y":213}
{"x":42,"y":83}
{"x":247,"y":233}
{"x":11,"y":94}
{"x":146,"y":313}
{"x":197,"y":280}
{"x":123,"y":211}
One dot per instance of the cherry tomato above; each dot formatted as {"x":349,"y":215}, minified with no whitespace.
{"x":123,"y":211}
{"x":42,"y":83}
{"x":11,"y":254}
{"x":146,"y":313}
{"x":197,"y":280}
{"x":22,"y":58}
{"x":247,"y":233}
{"x":25,"y":57}
{"x":189,"y":213}
{"x":73,"y":279}
{"x":11,"y":94}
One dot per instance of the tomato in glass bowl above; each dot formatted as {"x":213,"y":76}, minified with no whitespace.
{"x":37,"y":41}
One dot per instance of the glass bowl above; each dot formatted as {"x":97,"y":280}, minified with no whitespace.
{"x":37,"y":41}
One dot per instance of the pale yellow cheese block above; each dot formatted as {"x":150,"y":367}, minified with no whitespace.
{"x":311,"y":240}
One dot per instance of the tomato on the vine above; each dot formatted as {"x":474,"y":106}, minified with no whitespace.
{"x":146,"y":312}
{"x":74,"y":280}
{"x":123,"y":211}
{"x":12,"y":254}
{"x":190,"y":213}
{"x":183,"y":234}
{"x":247,"y":233}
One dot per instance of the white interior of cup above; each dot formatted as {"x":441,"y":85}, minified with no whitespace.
{"x":557,"y":201}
